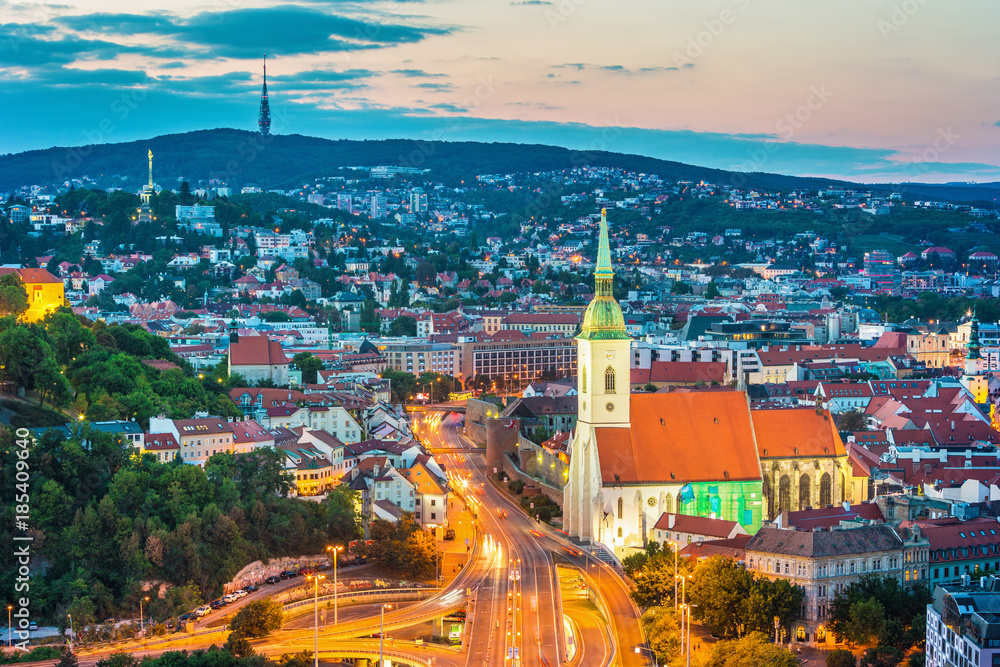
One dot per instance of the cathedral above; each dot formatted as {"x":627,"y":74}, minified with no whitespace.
{"x":634,"y":457}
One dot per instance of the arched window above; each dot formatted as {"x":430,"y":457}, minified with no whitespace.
{"x":668,"y":504}
{"x":621,"y":508}
{"x":825,"y":496}
{"x":769,"y":497}
{"x":619,"y":532}
{"x":804,"y":483}
{"x":583,"y":381}
{"x":800,"y":634}
{"x":609,"y":381}
{"x":784,"y":494}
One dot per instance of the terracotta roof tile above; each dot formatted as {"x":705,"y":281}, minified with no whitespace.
{"x":790,"y":432}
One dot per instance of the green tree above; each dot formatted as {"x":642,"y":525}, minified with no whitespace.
{"x":370,"y":321}
{"x":402,"y":547}
{"x":403,"y":326}
{"x":852,"y":420}
{"x":13,"y":296}
{"x":753,"y":650}
{"x":882,"y":656}
{"x":119,"y":659}
{"x":712,"y":291}
{"x":344,"y":520}
{"x":257,"y":619}
{"x":238,"y":645}
{"x":866,"y":621}
{"x":663,"y":633}
{"x":841,"y":658}
{"x":720,"y":588}
{"x":402,"y":385}
{"x":67,"y":335}
{"x":22,"y":353}
{"x":67,"y":658}
{"x":309,"y":364}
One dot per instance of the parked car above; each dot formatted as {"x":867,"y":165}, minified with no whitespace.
{"x":186,"y":617}
{"x":217,"y":604}
{"x":273,"y":579}
{"x":251,"y":589}
{"x":203,"y":610}
{"x":230,"y":598}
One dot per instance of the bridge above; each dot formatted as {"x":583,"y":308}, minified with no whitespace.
{"x":437,"y":407}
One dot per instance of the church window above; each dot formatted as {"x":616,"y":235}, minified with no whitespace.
{"x":804,"y":492}
{"x":619,"y":532}
{"x":825,"y":495}
{"x":583,"y":379}
{"x":609,"y":381}
{"x":784,"y":494}
{"x":668,"y":503}
{"x":621,"y":508}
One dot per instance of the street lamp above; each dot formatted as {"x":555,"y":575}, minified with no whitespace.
{"x":315,"y":578}
{"x":676,"y":552}
{"x":335,"y":551}
{"x":141,"y":626}
{"x":10,"y":626}
{"x":72,"y":634}
{"x":381,"y":634}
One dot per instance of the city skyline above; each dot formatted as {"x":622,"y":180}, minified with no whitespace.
{"x":871,"y":92}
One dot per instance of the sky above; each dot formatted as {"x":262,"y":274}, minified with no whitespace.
{"x":864,"y":90}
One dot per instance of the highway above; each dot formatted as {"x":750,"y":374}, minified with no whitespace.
{"x":529,"y":549}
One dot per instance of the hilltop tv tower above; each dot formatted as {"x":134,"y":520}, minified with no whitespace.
{"x":264,"y":116}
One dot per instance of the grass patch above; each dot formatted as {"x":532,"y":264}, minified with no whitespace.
{"x":30,"y":415}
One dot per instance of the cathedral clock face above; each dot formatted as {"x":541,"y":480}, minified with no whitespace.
{"x":610,"y":407}
{"x":651,"y":502}
{"x":610,"y":355}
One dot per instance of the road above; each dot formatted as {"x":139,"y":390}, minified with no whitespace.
{"x":536,"y":613}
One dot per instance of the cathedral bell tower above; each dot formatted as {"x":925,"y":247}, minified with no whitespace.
{"x":603,"y":349}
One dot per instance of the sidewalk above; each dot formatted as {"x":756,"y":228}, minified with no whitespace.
{"x":454,"y":554}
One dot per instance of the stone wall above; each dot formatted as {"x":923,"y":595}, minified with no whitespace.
{"x":477,"y":412}
{"x":514,"y":472}
{"x":501,"y":439}
{"x":542,"y":464}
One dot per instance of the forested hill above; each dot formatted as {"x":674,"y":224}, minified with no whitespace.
{"x":284,"y":161}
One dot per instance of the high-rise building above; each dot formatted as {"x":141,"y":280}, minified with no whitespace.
{"x":379,"y":206}
{"x":418,"y":201}
{"x":345,"y":202}
{"x":880,"y":266}
{"x":264,"y":116}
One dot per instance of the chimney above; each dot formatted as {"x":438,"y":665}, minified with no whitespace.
{"x":847,"y":506}
{"x":671,"y":518}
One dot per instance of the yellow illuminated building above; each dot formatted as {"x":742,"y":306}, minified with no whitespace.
{"x":45,"y":291}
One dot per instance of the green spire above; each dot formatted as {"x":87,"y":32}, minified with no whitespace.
{"x":973,"y":345}
{"x":603,"y":319}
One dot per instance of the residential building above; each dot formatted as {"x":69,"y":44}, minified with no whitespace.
{"x":824,"y":563}
{"x":45,"y":291}
{"x":258,"y":358}
{"x":198,"y":439}
{"x":963,"y":627}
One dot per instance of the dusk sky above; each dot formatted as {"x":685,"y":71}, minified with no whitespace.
{"x":867,"y":90}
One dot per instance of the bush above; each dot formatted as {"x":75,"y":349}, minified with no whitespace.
{"x":841,"y":658}
{"x":35,"y":654}
{"x":882,"y":656}
{"x":517,"y":486}
{"x":238,"y":646}
{"x":257,"y":619}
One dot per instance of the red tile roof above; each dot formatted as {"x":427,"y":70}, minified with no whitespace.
{"x":696,"y":525}
{"x":790,"y":432}
{"x":256,"y":351}
{"x":680,"y":437}
{"x":31,"y":275}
